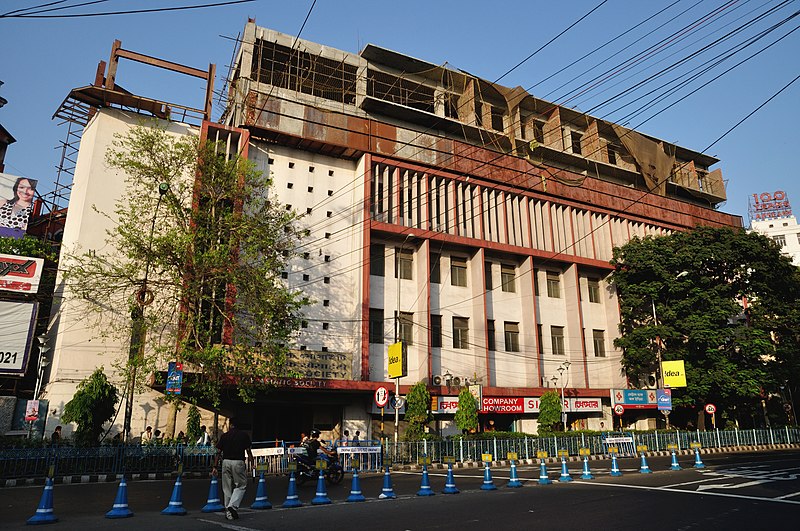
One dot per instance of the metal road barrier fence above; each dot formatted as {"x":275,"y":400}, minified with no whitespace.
{"x":16,"y":463}
{"x":273,"y":456}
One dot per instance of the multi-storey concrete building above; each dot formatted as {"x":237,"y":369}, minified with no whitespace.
{"x":473,"y":221}
{"x":771,"y":215}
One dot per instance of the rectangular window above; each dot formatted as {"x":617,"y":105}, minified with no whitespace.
{"x":553,"y":285}
{"x":612,"y":154}
{"x":507,"y":275}
{"x":594,"y":290}
{"x":406,"y":322}
{"x":539,"y":344}
{"x":490,"y":335}
{"x":780,"y":240}
{"x":436,"y":331}
{"x":599,"y":340}
{"x":557,"y":340}
{"x":512,"y":336}
{"x":377,"y":252}
{"x":487,"y":275}
{"x":376,"y":325}
{"x":798,"y":238}
{"x":403,"y":263}
{"x":435,"y":269}
{"x":536,"y":282}
{"x":460,"y":332}
{"x":576,"y":142}
{"x":458,"y":271}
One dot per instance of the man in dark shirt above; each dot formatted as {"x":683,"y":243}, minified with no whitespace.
{"x":233,"y":445}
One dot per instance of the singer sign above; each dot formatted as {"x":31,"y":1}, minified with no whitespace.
{"x":20,"y":273}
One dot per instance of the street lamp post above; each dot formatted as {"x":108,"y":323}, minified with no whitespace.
{"x":659,"y":374}
{"x":564,"y":367}
{"x":397,"y":336}
{"x":143,"y":297}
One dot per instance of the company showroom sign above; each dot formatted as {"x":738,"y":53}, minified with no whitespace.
{"x":513,"y":404}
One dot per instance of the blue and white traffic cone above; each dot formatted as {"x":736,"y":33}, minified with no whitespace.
{"x":175,"y":507}
{"x":564,"y":477}
{"x":643,"y":468}
{"x":425,"y":486}
{"x":214,"y":504}
{"x":450,"y":482}
{"x":488,"y":482}
{"x":387,"y":492}
{"x":261,"y":501}
{"x":322,"y":492}
{"x":292,"y":499}
{"x":120,"y":508}
{"x":675,"y":465}
{"x":44,"y":513}
{"x":543,"y":478}
{"x":355,"y":489}
{"x":698,"y":463}
{"x":513,"y":481}
{"x":587,"y":474}
{"x":615,"y":471}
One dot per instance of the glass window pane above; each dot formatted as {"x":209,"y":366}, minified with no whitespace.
{"x":507,"y":274}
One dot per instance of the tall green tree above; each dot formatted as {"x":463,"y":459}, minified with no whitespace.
{"x":193,"y":263}
{"x":93,"y":404}
{"x":549,"y":412}
{"x":418,"y":411}
{"x":725,"y":301}
{"x":466,"y":417}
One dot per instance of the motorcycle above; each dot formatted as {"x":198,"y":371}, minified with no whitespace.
{"x":307,"y":469}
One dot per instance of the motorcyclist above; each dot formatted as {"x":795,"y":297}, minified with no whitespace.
{"x":313,"y":445}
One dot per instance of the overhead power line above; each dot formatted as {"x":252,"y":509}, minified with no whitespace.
{"x":17,"y":14}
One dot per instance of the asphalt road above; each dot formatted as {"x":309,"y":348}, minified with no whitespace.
{"x":734,"y":491}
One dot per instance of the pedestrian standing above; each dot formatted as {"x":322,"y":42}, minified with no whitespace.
{"x":356,"y":439}
{"x":233,"y":445}
{"x":55,"y":438}
{"x":147,"y":435}
{"x":205,"y":438}
{"x":345,"y":438}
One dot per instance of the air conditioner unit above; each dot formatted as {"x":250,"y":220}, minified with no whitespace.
{"x":649,"y":381}
{"x":437,"y":380}
{"x":456,"y":381}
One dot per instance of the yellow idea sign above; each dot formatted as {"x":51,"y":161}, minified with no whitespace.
{"x":398,"y":366}
{"x":674,"y":373}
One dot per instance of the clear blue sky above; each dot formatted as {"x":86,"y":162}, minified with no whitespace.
{"x":44,"y":58}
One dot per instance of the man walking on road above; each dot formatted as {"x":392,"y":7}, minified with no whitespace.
{"x":233,"y":445}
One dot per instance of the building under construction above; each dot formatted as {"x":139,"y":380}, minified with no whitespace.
{"x":471,"y":221}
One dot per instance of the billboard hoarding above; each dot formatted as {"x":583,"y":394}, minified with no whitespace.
{"x":19,"y":323}
{"x":20,"y":274}
{"x":17,"y":196}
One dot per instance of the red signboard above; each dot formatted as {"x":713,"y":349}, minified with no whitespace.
{"x":20,"y":273}
{"x":770,"y":206}
{"x":502,"y":404}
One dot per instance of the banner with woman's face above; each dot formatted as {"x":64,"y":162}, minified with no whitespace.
{"x":17,"y":195}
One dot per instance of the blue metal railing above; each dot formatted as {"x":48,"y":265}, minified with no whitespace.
{"x":18,"y":463}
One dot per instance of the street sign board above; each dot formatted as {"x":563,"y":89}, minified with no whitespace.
{"x":619,"y":409}
{"x":381,"y":396}
{"x":397,"y":402}
{"x":541,"y":454}
{"x":486,"y":458}
{"x":511,"y":456}
{"x":711,"y":408}
{"x":584,"y":451}
{"x":664,"y":399}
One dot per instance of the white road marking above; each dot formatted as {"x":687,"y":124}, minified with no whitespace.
{"x":228,"y":526}
{"x":733,"y":485}
{"x":682,"y":491}
{"x":792,"y":495}
{"x":690,"y":482}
